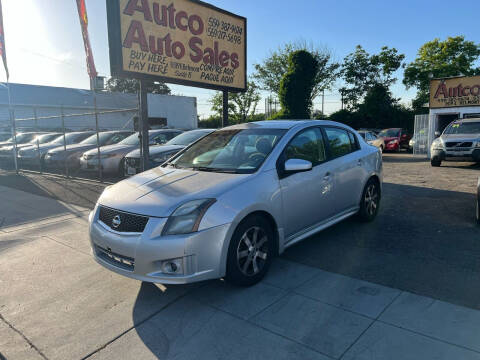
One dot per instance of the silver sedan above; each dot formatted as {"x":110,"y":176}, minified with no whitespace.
{"x":230,"y":202}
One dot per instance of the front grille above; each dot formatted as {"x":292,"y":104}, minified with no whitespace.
{"x":121,"y":261}
{"x":133,"y":162}
{"x":466,"y":144}
{"x":128,"y":222}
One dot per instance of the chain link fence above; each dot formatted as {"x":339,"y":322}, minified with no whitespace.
{"x":66,"y":141}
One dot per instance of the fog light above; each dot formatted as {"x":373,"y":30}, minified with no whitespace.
{"x":173,"y":266}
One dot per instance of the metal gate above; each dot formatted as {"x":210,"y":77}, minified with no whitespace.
{"x":420,"y":139}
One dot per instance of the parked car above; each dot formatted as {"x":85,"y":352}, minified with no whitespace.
{"x":228,"y":203}
{"x":161,"y":153}
{"x":58,"y":157}
{"x":460,"y":141}
{"x":477,"y":213}
{"x":5,"y":135}
{"x":418,"y":141}
{"x":32,"y":154}
{"x":112,"y":156}
{"x":372,"y":139}
{"x":395,"y":139}
{"x":21,"y":138}
{"x":6,"y":152}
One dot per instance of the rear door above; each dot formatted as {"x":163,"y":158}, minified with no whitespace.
{"x":307,"y":196}
{"x":347,"y":167}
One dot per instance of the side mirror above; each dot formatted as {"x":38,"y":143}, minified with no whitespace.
{"x":437,"y":134}
{"x":297,"y":165}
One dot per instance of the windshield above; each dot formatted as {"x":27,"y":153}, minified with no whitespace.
{"x":92,"y":140}
{"x":238,"y":151}
{"x":46,"y":138}
{"x":131,"y":140}
{"x":23,"y":138}
{"x":389,"y":133}
{"x":463,"y":128}
{"x":188,"y":137}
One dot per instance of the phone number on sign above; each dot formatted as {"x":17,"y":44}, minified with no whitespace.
{"x":222,"y":35}
{"x":224,"y":30}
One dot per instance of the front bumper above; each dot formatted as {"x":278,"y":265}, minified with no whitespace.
{"x":109,"y":165}
{"x":467,"y":154}
{"x":140,"y":255}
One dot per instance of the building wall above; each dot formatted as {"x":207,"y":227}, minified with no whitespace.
{"x":77,"y":105}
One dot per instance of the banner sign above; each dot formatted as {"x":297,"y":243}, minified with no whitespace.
{"x":185,"y":42}
{"x":82,"y":13}
{"x":455,"y":92}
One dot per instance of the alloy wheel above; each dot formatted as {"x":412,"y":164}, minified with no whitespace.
{"x":371,"y":199}
{"x":252,"y":251}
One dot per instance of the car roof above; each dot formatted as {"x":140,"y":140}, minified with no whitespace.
{"x":279,"y":124}
{"x":468,"y":120}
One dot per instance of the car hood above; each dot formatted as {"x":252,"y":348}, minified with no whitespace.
{"x":73,"y":148}
{"x":9,"y":147}
{"x":112,"y":149}
{"x":155,"y":150}
{"x":158,"y":192}
{"x":460,"y":137}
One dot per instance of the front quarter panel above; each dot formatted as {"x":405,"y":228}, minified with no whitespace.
{"x":260,"y":193}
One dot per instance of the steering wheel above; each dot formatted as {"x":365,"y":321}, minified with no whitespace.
{"x":256,"y":157}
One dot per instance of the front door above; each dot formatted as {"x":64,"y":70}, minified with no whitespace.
{"x":307,"y":196}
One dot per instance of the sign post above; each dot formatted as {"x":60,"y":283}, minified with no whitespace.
{"x":186,"y":42}
{"x":143,"y":124}
{"x":225,"y":109}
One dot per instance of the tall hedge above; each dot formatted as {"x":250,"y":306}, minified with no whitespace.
{"x":297,"y":85}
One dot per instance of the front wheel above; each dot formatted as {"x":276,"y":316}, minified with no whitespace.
{"x":250,"y":251}
{"x":370,"y":202}
{"x":435,"y":162}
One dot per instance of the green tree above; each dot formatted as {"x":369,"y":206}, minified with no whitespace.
{"x":361,"y":71}
{"x":241,"y":106}
{"x":296,"y":86}
{"x":438,"y":59}
{"x":271,"y":71}
{"x":132,"y":86}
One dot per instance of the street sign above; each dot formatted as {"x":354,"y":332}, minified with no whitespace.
{"x":185,"y":42}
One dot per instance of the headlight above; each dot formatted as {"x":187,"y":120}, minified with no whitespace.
{"x":186,"y":218}
{"x":437,"y":144}
{"x":477,"y":144}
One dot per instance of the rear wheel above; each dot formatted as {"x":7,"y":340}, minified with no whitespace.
{"x":370,"y":202}
{"x":250,"y":251}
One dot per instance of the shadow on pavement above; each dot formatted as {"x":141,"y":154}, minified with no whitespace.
{"x":423,"y":241}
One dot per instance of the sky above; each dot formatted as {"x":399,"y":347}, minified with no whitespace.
{"x":45,"y":46}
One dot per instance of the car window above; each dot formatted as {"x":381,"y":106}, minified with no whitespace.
{"x":339,"y":141}
{"x":161,"y":138}
{"x":116,"y":138}
{"x":307,"y":145}
{"x":353,"y":141}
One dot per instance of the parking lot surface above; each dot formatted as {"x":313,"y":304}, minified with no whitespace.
{"x":402,"y":287}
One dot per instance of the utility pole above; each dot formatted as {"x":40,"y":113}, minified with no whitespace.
{"x":323,"y":101}
{"x":341,"y":93}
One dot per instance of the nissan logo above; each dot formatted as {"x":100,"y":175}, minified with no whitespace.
{"x":116,"y":221}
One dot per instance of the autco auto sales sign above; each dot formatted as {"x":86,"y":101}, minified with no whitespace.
{"x":455,"y":92}
{"x":185,"y":42}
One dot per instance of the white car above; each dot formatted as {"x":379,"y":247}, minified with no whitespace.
{"x":230,"y":202}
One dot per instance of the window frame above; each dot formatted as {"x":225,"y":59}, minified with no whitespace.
{"x":355,"y":147}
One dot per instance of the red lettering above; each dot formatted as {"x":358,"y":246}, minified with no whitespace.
{"x":162,"y":21}
{"x":209,"y":57}
{"x":171,"y":16}
{"x":223,"y":58}
{"x":477,"y":87}
{"x":178,"y":50}
{"x":236,"y":63}
{"x":465,"y":91}
{"x":178,"y":20}
{"x":144,"y":8}
{"x":135,"y":34}
{"x":191,"y":22}
{"x":441,"y":90}
{"x":197,"y":54}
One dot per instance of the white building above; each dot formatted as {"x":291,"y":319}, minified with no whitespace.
{"x":42,"y":107}
{"x":450,"y":99}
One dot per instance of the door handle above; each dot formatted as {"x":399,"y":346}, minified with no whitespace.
{"x":327,"y":176}
{"x":359,"y":162}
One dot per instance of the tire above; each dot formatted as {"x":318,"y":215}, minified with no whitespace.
{"x":477,"y":212}
{"x":370,"y":202}
{"x":435,"y":162}
{"x":381,"y":149}
{"x":250,"y":251}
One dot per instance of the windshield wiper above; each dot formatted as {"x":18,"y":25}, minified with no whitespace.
{"x":209,"y":169}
